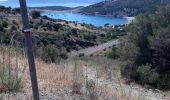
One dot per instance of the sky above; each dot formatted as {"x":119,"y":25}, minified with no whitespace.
{"x":34,"y":3}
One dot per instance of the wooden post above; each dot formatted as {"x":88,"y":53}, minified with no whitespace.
{"x":29,"y":49}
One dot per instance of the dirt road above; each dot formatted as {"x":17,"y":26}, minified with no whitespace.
{"x":91,"y":50}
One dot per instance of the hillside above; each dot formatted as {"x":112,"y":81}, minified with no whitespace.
{"x":58,"y":36}
{"x":135,"y":67}
{"x":121,"y":8}
{"x":55,"y":8}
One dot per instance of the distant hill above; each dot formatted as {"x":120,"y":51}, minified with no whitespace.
{"x":58,"y":8}
{"x":121,"y":8}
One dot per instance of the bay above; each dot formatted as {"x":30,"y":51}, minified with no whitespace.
{"x":88,"y":19}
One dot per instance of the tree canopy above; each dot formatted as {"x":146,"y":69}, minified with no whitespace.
{"x":146,"y":49}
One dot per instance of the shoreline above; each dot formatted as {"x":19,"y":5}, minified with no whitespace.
{"x":129,"y":19}
{"x":77,"y":12}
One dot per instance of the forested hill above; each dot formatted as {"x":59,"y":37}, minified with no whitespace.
{"x":121,"y":8}
{"x":56,"y":8}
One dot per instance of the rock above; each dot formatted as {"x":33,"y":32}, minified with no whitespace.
{"x":83,"y":90}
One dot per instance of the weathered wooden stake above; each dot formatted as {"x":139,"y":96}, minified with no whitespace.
{"x":29,"y":49}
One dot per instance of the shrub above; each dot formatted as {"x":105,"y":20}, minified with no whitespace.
{"x":36,"y":26}
{"x":81,"y":55}
{"x":146,"y":49}
{"x":68,"y":49}
{"x":89,"y":36}
{"x":9,"y":81}
{"x":4,"y":24}
{"x":49,"y":26}
{"x":57,"y":27}
{"x":114,"y":54}
{"x":45,"y":17}
{"x":1,"y":28}
{"x":5,"y":38}
{"x":161,"y":52}
{"x":51,"y":53}
{"x":76,"y":88}
{"x":90,"y":86}
{"x":74,"y":32}
{"x":77,"y":79}
{"x":35,"y":14}
{"x":66,"y":22}
{"x":17,"y":10}
{"x":164,"y":81}
{"x":13,"y":28}
{"x":63,"y":55}
{"x":143,"y":73}
{"x":10,"y":72}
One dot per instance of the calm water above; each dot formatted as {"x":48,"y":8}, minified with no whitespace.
{"x":94,"y":20}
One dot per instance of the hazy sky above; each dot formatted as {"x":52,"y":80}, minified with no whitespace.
{"x":70,"y":3}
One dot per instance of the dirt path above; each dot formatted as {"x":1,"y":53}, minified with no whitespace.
{"x":91,"y":50}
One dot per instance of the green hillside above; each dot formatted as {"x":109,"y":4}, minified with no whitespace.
{"x":56,"y":8}
{"x":121,"y":8}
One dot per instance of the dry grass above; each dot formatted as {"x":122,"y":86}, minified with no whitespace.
{"x":11,"y":73}
{"x":66,"y":75}
{"x":117,"y":94}
{"x":50,"y":76}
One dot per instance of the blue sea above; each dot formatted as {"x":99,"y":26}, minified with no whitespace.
{"x":94,"y":20}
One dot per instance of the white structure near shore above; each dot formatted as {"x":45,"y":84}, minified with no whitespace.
{"x":130,"y":19}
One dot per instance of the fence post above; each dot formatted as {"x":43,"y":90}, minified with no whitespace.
{"x":29,"y":49}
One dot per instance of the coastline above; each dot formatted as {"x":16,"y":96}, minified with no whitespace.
{"x":75,"y":11}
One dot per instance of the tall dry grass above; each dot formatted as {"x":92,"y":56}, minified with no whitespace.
{"x":70,"y":75}
{"x":11,"y":73}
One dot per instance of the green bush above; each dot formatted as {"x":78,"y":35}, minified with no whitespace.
{"x":45,"y":17}
{"x":35,"y":14}
{"x":74,"y":32}
{"x":4,"y":24}
{"x":5,"y":38}
{"x":146,"y":49}
{"x":114,"y":54}
{"x":36,"y":26}
{"x":51,"y":53}
{"x":10,"y":82}
{"x":57,"y":27}
{"x":164,"y":81}
{"x":13,"y":28}
{"x":81,"y":55}
{"x":90,"y":86}
{"x":66,"y":22}
{"x":63,"y":55}
{"x":1,"y":28}
{"x":143,"y":74}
